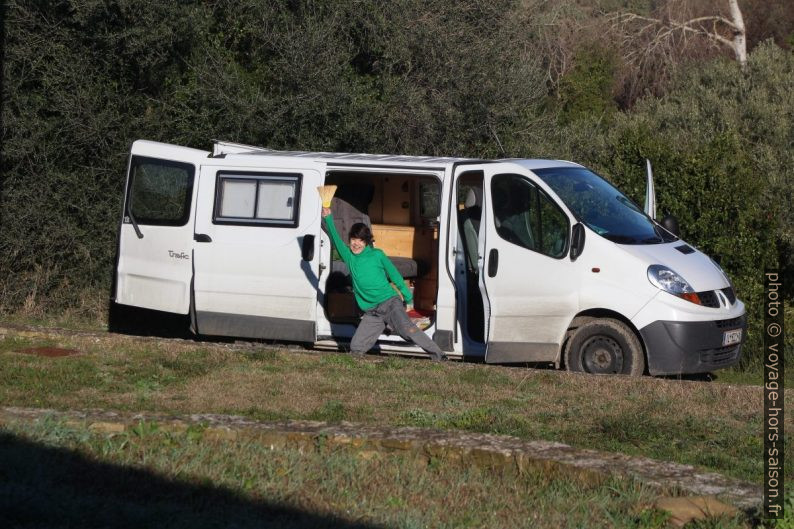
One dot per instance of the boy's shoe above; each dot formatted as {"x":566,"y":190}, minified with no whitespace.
{"x":357,"y":354}
{"x":438,"y":358}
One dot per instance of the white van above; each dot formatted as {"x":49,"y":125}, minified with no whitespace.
{"x":510,"y":261}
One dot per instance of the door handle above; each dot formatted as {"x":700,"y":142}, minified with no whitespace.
{"x":202,"y":237}
{"x":493,"y":262}
{"x":307,"y":247}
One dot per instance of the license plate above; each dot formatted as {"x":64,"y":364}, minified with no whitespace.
{"x":731,"y":337}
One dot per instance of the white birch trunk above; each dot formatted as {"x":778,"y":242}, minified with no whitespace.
{"x":739,"y":33}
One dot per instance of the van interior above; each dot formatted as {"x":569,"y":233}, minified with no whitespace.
{"x":469,"y":196}
{"x":402,"y":210}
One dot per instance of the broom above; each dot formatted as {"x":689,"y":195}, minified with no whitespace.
{"x":326,"y":193}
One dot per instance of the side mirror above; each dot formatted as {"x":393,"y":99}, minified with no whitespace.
{"x":577,"y":241}
{"x":670,"y":223}
{"x":307,"y":247}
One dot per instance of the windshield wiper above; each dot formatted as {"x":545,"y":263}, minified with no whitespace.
{"x":620,"y":239}
{"x":134,"y":223}
{"x":652,"y":240}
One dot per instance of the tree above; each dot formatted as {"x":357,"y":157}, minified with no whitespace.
{"x":681,"y":20}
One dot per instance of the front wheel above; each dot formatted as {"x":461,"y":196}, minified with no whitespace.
{"x":604,"y":347}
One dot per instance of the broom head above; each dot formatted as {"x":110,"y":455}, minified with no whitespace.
{"x":326,"y":194}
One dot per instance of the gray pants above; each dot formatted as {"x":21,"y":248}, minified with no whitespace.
{"x":392,"y":313}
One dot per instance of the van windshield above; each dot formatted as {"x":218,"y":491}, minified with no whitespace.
{"x":603,"y":208}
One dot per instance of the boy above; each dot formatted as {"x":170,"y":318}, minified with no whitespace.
{"x":369,"y":268}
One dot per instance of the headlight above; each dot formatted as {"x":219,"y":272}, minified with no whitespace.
{"x":669,"y":281}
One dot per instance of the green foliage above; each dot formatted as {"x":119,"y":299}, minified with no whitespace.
{"x":77,"y":77}
{"x":586,"y":91}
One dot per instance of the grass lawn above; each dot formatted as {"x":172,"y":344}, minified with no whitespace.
{"x":715,"y":426}
{"x":55,"y":475}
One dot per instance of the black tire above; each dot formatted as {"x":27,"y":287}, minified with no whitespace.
{"x":604,"y":347}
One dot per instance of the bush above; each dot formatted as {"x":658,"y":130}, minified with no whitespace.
{"x":585,"y":92}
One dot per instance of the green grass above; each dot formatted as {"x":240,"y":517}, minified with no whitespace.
{"x":92,"y":320}
{"x":56,"y":475}
{"x":754,"y":376}
{"x":714,"y":426}
{"x":16,"y":343}
{"x":332,"y":411}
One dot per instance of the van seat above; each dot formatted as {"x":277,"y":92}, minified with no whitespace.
{"x":469,"y":224}
{"x":408,"y":268}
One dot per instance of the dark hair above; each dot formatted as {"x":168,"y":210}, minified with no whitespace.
{"x":361,"y":231}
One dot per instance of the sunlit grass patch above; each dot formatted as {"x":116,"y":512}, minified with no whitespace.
{"x":332,"y":411}
{"x":43,"y":377}
{"x":711,"y":425}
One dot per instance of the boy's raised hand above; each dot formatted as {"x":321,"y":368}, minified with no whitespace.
{"x":326,"y":212}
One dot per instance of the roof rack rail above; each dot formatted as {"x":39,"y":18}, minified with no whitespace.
{"x":222,"y":148}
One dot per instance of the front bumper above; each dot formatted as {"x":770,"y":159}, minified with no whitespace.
{"x":679,"y":347}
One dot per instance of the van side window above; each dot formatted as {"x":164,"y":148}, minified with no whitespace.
{"x":160,"y":191}
{"x":430,"y":202}
{"x":553,"y":229}
{"x":524,"y":215}
{"x":257,"y":199}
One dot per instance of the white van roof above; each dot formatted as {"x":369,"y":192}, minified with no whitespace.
{"x":542,"y":164}
{"x":223,"y":148}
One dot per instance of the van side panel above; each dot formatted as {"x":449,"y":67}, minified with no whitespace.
{"x":612,"y":278}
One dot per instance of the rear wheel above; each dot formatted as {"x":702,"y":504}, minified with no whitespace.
{"x":604,"y":346}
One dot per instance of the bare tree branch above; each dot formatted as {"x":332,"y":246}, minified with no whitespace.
{"x":660,"y":33}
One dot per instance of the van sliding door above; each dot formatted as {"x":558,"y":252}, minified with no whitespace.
{"x":257,"y":249}
{"x":156,"y":235}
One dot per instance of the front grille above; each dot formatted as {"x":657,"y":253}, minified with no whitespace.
{"x":720,"y":355}
{"x":709,"y":299}
{"x":729,"y":294}
{"x":734,"y":323}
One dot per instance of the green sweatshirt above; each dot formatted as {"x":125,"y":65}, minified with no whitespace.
{"x":369,"y":270}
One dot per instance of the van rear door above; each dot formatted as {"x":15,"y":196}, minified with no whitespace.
{"x":156,"y":236}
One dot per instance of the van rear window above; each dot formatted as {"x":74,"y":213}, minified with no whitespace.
{"x":160,"y":191}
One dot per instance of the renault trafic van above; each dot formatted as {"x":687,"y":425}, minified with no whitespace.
{"x":510,"y":261}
